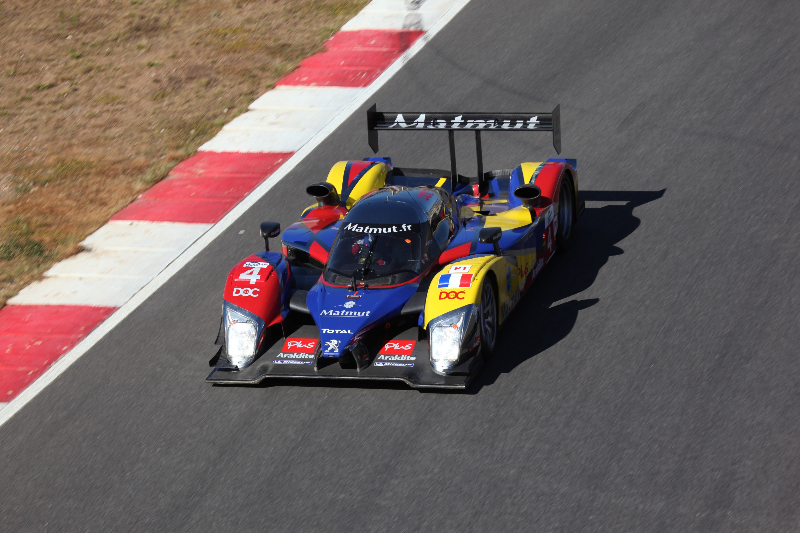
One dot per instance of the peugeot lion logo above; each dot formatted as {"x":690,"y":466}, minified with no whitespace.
{"x":331,"y":346}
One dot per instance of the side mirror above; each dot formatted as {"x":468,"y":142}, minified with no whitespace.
{"x":324,"y":193}
{"x":269,"y":230}
{"x":529,"y":194}
{"x":491,"y":236}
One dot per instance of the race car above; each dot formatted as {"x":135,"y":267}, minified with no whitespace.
{"x":399,"y":273}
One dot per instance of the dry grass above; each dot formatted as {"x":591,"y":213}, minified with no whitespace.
{"x":100,"y":99}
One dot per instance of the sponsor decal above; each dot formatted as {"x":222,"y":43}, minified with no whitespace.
{"x":246,"y":291}
{"x":377,"y":228}
{"x":298,"y":345}
{"x":349,"y":305}
{"x":387,"y":357}
{"x":452,"y":295}
{"x":425,"y":195}
{"x":253,"y":272}
{"x":455,"y":281}
{"x":283,"y":355}
{"x":379,"y":363}
{"x":459,"y":269}
{"x":458,"y":122}
{"x":343,"y":313}
{"x":336,"y":331}
{"x":508,"y":280}
{"x":332,"y":346}
{"x":291,"y":362}
{"x":400,"y":348}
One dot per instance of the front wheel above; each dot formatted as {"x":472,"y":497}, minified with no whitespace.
{"x":488,"y":318}
{"x":565,"y":216}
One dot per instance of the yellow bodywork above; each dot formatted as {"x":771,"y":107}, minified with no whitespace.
{"x":509,"y":278}
{"x":511,"y":219}
{"x":375,"y":178}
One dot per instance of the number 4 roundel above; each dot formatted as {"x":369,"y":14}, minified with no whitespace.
{"x":254,"y":273}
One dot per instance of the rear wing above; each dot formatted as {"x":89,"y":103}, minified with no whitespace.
{"x":451,"y":122}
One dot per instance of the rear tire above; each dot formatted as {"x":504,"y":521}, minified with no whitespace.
{"x":487,"y":317}
{"x":566,"y":216}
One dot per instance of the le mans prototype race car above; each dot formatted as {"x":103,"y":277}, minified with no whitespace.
{"x":398,"y":273}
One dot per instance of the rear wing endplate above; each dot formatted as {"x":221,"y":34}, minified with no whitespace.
{"x":451,"y":122}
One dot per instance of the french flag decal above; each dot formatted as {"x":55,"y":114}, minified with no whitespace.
{"x":455,"y":281}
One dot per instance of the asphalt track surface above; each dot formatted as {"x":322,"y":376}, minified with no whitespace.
{"x":649,"y":382}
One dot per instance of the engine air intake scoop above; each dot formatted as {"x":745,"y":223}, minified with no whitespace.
{"x":324,"y":193}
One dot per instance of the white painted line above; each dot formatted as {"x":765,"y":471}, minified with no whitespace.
{"x":200,"y":244}
{"x":2,"y":404}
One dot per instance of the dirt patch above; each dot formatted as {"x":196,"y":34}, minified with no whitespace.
{"x":100,"y":99}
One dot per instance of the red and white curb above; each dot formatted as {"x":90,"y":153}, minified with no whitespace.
{"x":51,"y":323}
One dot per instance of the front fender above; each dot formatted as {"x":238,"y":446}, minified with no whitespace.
{"x":459,"y":284}
{"x":259,"y":284}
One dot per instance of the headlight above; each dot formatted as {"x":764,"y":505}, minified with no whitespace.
{"x":446,"y":335}
{"x":240,"y":339}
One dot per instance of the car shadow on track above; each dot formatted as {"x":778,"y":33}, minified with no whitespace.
{"x":568,"y":274}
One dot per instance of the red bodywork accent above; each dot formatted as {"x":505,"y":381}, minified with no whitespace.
{"x":543,"y":203}
{"x":549,"y":180}
{"x":258,"y":292}
{"x":356,"y":168}
{"x":448,"y":256}
{"x":321,"y":217}
{"x":318,"y":252}
{"x":476,"y":192}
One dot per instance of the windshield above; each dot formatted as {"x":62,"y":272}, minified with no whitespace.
{"x":379,"y":255}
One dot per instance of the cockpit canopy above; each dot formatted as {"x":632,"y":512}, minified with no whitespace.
{"x":390,"y":237}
